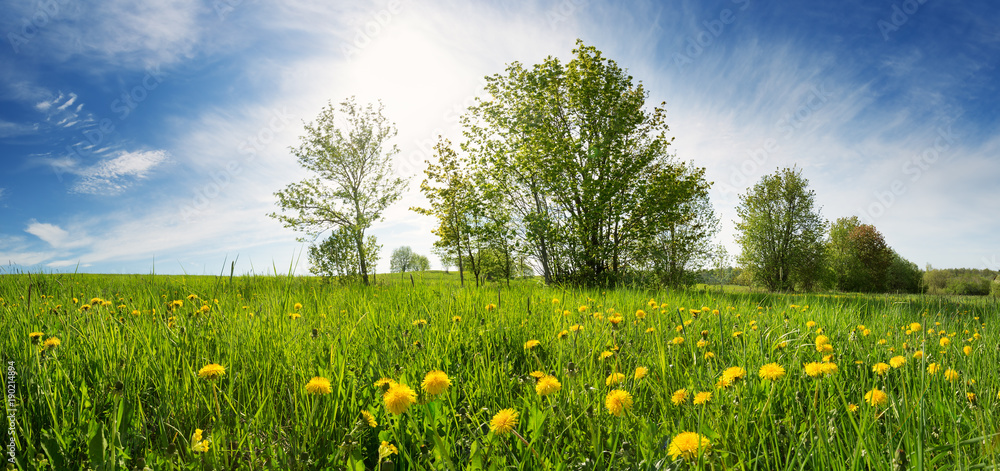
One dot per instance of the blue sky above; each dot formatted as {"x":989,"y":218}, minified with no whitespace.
{"x":138,"y":137}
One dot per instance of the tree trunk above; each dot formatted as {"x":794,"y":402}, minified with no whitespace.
{"x":359,"y":239}
{"x":461,"y":268}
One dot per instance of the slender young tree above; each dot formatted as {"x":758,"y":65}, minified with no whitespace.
{"x":781,"y":232}
{"x":351,"y":182}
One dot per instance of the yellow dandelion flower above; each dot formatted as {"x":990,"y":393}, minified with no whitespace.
{"x":967,"y":350}
{"x":369,"y":419}
{"x":399,"y":398}
{"x":85,"y":307}
{"x":813,"y":369}
{"x":971,"y":397}
{"x":198,"y":444}
{"x":897,"y":361}
{"x":876,"y":397}
{"x":733,"y":373}
{"x":419,"y":322}
{"x":614,"y":319}
{"x":640,"y":314}
{"x":386,"y":449}
{"x":613,"y":379}
{"x":575,"y":328}
{"x":688,"y":445}
{"x":504,"y":421}
{"x":918,"y":354}
{"x":828,"y":368}
{"x":677,"y":340}
{"x":771,"y":371}
{"x":679,"y":396}
{"x":562,"y":334}
{"x":880,"y":368}
{"x":951,"y":375}
{"x":547,"y":385}
{"x":297,"y":306}
{"x":536,"y":374}
{"x":531,"y":344}
{"x":944,"y":342}
{"x":34,"y":336}
{"x":810,"y":324}
{"x":491,"y":307}
{"x":915,"y":327}
{"x":933,"y":368}
{"x":435,"y":382}
{"x":582,"y":309}
{"x":709,"y":355}
{"x":211,"y":371}
{"x":640,"y":373}
{"x":702,"y":398}
{"x":456,"y":318}
{"x":651,"y":330}
{"x":606,"y":354}
{"x":852,"y":407}
{"x":318,"y":386}
{"x":294,"y":315}
{"x":617,"y":402}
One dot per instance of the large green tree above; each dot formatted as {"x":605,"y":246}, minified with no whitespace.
{"x":351,"y":182}
{"x":583,"y":161}
{"x":781,"y":232}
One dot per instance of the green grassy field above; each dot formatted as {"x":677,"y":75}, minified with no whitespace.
{"x":122,"y":388}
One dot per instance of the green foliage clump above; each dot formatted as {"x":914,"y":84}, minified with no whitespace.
{"x":960,"y":281}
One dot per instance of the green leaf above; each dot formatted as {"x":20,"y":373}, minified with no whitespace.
{"x":97,"y":445}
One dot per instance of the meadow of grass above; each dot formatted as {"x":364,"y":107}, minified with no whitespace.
{"x":532,"y":377}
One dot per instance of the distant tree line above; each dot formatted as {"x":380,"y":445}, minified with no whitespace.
{"x":962,"y":281}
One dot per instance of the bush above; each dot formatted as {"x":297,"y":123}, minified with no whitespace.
{"x":995,"y":287}
{"x":959,"y":281}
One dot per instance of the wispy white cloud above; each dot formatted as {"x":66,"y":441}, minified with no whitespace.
{"x":55,"y":236}
{"x":116,"y":33}
{"x":115,"y":175}
{"x":9,"y":129}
